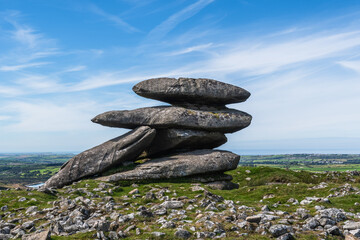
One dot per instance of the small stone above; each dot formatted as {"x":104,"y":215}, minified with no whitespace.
{"x":28,"y":225}
{"x":134,"y":191}
{"x":169,"y":224}
{"x":22,"y":199}
{"x":181,"y":233}
{"x":38,"y":236}
{"x":158,"y":234}
{"x":197,"y":188}
{"x":286,"y":236}
{"x":355,"y":233}
{"x":265,"y":208}
{"x":31,"y":209}
{"x":278,"y":230}
{"x":113,"y":235}
{"x":172,"y":204}
{"x":254,"y":219}
{"x":334,"y":231}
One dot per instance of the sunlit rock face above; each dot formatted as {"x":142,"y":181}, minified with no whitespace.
{"x":166,"y":141}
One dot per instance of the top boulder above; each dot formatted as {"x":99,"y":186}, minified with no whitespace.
{"x":198,"y":91}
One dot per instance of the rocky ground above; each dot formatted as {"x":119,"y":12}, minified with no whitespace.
{"x":270,"y":204}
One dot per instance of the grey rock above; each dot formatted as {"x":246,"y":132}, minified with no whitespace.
{"x":121,"y":234}
{"x":172,"y":204}
{"x":113,"y":235}
{"x":334,"y":213}
{"x":226,"y":120}
{"x":158,"y":234}
{"x":355,"y":233}
{"x":312,"y":223}
{"x":160,"y":212}
{"x":286,"y":236}
{"x":175,"y":139}
{"x":326,"y":221}
{"x":100,"y":158}
{"x":181,"y":233}
{"x":45,"y":235}
{"x":254,"y":219}
{"x":200,"y":91}
{"x":351,"y":225}
{"x":181,"y":165}
{"x":6,"y":236}
{"x":278,"y":230}
{"x":28,"y":224}
{"x":334,"y":231}
{"x":31,"y":209}
{"x":223,"y":185}
{"x":169,"y":224}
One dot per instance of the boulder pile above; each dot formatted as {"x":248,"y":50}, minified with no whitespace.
{"x":170,"y":141}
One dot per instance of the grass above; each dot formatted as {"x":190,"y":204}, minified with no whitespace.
{"x":255,"y":183}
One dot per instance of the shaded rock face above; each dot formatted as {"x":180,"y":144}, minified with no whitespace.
{"x":100,"y":158}
{"x":180,"y":139}
{"x":180,"y":165}
{"x":225,"y":121}
{"x":200,"y":91}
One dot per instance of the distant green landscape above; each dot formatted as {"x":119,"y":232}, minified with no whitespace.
{"x":25,"y":169}
{"x":308,"y":162}
{"x":31,"y":168}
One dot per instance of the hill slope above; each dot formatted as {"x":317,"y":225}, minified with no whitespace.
{"x":270,"y":202}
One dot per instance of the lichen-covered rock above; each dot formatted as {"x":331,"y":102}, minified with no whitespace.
{"x":226,"y":120}
{"x":180,"y":165}
{"x":191,"y":90}
{"x":179,"y":139}
{"x":100,"y":158}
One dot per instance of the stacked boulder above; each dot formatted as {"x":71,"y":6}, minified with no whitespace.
{"x":172,"y":141}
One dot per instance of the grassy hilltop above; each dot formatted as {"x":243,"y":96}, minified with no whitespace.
{"x":259,"y":186}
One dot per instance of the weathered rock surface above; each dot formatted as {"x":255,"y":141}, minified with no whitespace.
{"x":191,"y":90}
{"x":181,"y":165}
{"x":226,"y":120}
{"x":175,"y":139}
{"x":100,"y":158}
{"x":45,"y":235}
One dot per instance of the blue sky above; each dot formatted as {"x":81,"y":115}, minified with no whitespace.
{"x":63,"y":62}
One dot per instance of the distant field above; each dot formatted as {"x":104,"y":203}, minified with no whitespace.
{"x":29,"y":168}
{"x":34,"y":168}
{"x":308,"y":162}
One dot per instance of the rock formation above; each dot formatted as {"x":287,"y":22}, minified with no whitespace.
{"x":176,"y":140}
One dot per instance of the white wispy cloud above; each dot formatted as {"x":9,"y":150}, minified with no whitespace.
{"x":32,"y":83}
{"x":113,"y":18}
{"x":170,"y":23}
{"x":2,"y":117}
{"x":11,"y":68}
{"x":10,"y":91}
{"x":353,"y":65}
{"x":259,"y":57}
{"x":196,"y":48}
{"x":75,"y":69}
{"x":45,"y":116}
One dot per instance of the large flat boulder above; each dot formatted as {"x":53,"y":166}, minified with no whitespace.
{"x":169,"y":140}
{"x":180,"y":165}
{"x":225,"y":121}
{"x":100,"y":158}
{"x":200,"y":91}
